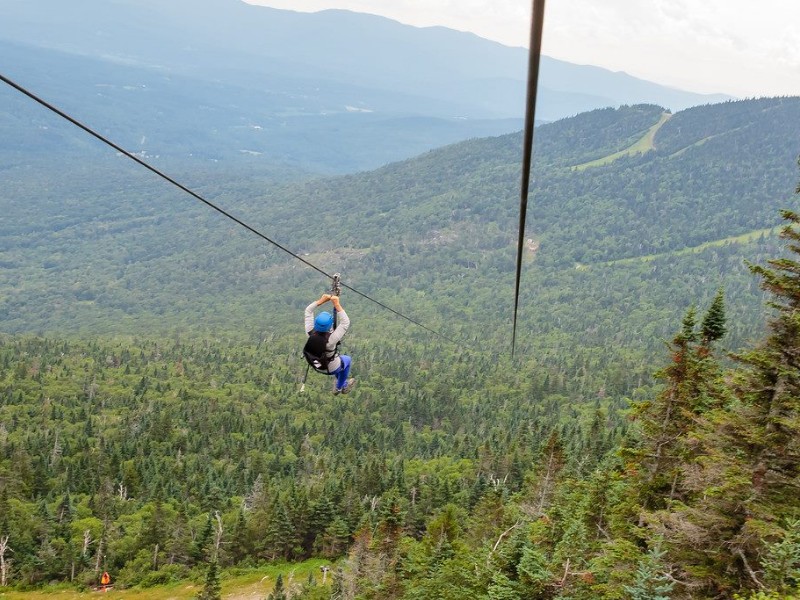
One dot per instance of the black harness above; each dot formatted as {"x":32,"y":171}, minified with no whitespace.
{"x":316,"y":351}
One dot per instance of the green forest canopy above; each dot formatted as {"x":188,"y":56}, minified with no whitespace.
{"x":566,"y":473}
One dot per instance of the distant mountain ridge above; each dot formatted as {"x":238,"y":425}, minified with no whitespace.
{"x":235,"y":41}
{"x":320,"y":76}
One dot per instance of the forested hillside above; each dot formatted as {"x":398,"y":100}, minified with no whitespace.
{"x":151,"y":423}
{"x":103,"y":246}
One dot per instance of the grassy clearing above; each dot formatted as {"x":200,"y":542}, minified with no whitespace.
{"x":745,"y":238}
{"x":238,"y":584}
{"x":645,"y":144}
{"x":699,"y":143}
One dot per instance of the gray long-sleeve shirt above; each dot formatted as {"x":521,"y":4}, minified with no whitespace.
{"x":342,"y":325}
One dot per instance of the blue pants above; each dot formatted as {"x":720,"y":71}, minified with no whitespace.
{"x":342,"y":372}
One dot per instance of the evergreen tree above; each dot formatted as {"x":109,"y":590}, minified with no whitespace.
{"x":391,"y":517}
{"x":200,"y":548}
{"x":299,"y":513}
{"x":667,"y":423}
{"x":278,"y":592}
{"x":336,"y":538}
{"x":688,"y":333}
{"x":320,"y":519}
{"x":153,"y":533}
{"x":312,"y":591}
{"x":533,"y":571}
{"x":675,"y":449}
{"x":764,"y":427}
{"x":212,"y":590}
{"x":713,"y":326}
{"x":651,"y":582}
{"x":179,"y":546}
{"x":280,"y":532}
{"x":737,"y":483}
{"x":311,"y":581}
{"x":239,"y":547}
{"x":782,"y":560}
{"x":64,"y":518}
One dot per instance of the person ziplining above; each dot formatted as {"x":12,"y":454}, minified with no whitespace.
{"x":325,"y":332}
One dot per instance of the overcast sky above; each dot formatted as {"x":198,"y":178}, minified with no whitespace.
{"x":740,"y":47}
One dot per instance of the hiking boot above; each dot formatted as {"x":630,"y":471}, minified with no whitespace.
{"x":348,"y":386}
{"x":336,"y":390}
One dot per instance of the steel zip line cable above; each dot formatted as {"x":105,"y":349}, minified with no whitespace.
{"x":208,"y":203}
{"x":534,"y":54}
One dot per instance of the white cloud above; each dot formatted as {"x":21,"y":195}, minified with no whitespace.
{"x":709,"y":46}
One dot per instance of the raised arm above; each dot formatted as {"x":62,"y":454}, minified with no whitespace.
{"x":342,"y":323}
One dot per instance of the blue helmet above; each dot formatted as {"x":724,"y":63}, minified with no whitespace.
{"x":323,"y":322}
